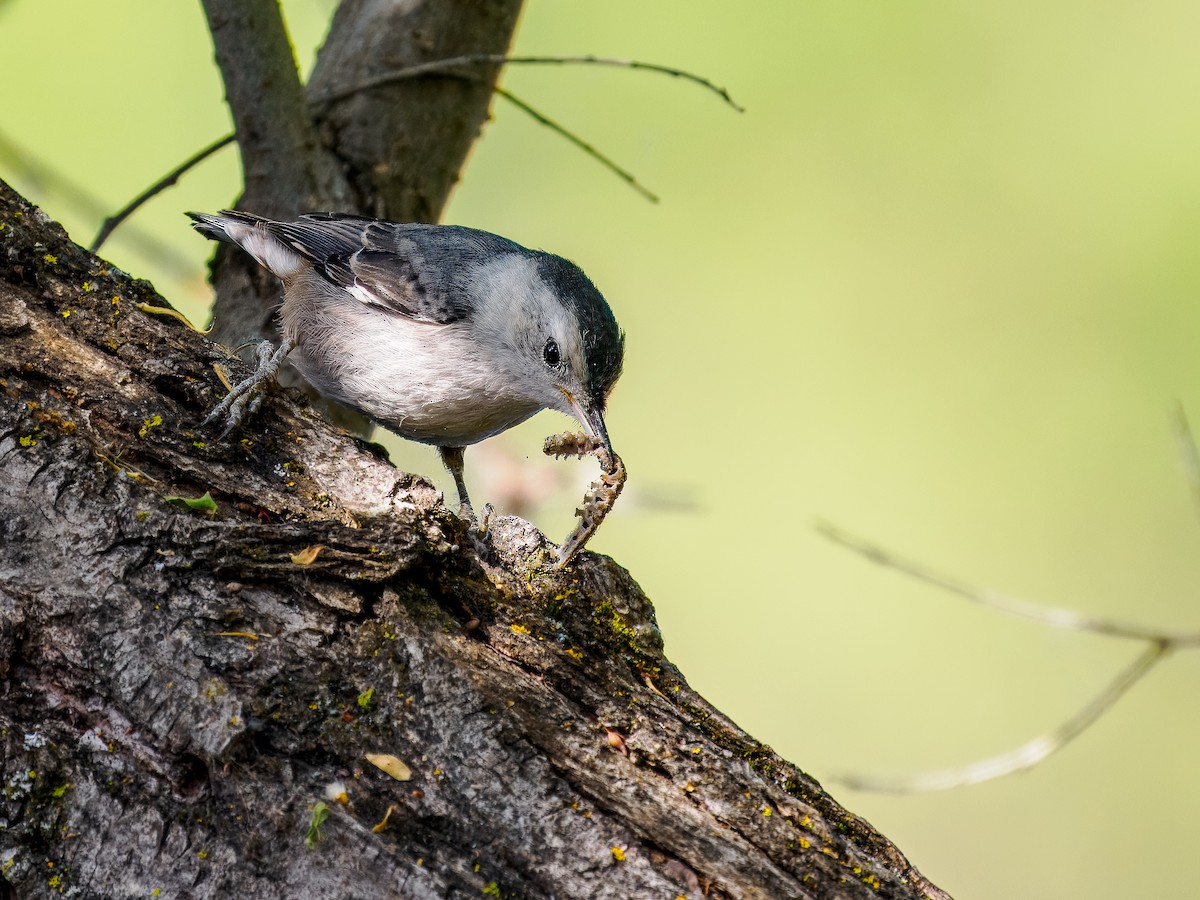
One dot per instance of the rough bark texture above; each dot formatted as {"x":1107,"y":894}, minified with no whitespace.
{"x":285,"y":168}
{"x":404,"y":144}
{"x":178,"y":688}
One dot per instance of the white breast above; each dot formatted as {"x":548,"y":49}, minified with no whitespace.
{"x":425,"y":382}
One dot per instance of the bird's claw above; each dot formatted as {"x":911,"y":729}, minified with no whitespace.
{"x":243,"y":397}
{"x":477,"y":528}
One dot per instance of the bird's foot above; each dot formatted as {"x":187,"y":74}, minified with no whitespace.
{"x":244,"y":397}
{"x":477,"y":528}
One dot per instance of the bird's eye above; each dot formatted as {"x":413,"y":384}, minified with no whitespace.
{"x":550,"y":353}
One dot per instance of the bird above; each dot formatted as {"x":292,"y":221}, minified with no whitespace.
{"x":443,"y":334}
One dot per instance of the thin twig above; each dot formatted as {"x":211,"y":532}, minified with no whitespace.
{"x":1159,"y":644}
{"x":497,"y":59}
{"x":1027,"y":755}
{"x":579,"y":142}
{"x":446,"y":65}
{"x":110,"y":224}
{"x":1046,"y":615}
{"x":1188,"y":455}
{"x":48,"y":180}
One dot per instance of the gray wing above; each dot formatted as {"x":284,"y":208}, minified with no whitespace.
{"x":422,"y":272}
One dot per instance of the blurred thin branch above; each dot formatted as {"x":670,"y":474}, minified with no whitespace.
{"x":44,"y":179}
{"x":579,"y":142}
{"x":435,"y":67}
{"x":168,"y":180}
{"x":1028,"y":754}
{"x":1159,"y":644}
{"x":1188,"y":456}
{"x":1047,"y":615}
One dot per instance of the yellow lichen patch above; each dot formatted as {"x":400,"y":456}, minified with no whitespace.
{"x":51,"y":259}
{"x":308,"y":555}
{"x":147,"y":424}
{"x":390,"y":765}
{"x":519,"y":629}
{"x":576,"y":655}
{"x":618,"y":854}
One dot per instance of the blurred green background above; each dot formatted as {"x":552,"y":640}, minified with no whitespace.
{"x":938,"y":285}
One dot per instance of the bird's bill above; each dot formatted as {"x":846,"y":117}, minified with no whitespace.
{"x":592,"y":420}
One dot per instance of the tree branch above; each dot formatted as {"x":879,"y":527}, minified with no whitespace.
{"x":109,"y":225}
{"x":543,"y":119}
{"x":404,"y":145}
{"x":475,"y":60}
{"x":1159,"y":644}
{"x":182,"y":685}
{"x":285,"y":168}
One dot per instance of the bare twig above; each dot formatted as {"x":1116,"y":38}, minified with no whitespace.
{"x":49,"y":180}
{"x":1188,"y":455}
{"x":1027,"y":755}
{"x":496,"y":59}
{"x":1159,"y":645}
{"x":579,"y":142}
{"x":168,"y":180}
{"x":446,"y":66}
{"x":1046,"y":615}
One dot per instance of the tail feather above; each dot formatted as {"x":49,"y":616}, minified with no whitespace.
{"x":254,"y":235}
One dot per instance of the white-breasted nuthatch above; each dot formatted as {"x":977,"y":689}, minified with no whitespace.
{"x":444,"y":335}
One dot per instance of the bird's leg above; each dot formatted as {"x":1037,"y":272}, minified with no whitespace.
{"x":452,"y":457}
{"x":233,"y":407}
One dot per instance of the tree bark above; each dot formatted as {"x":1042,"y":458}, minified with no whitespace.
{"x":182,"y":686}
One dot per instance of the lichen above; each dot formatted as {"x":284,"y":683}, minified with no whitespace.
{"x":148,"y":424}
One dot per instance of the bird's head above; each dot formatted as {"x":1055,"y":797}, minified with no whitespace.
{"x":560,"y":336}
